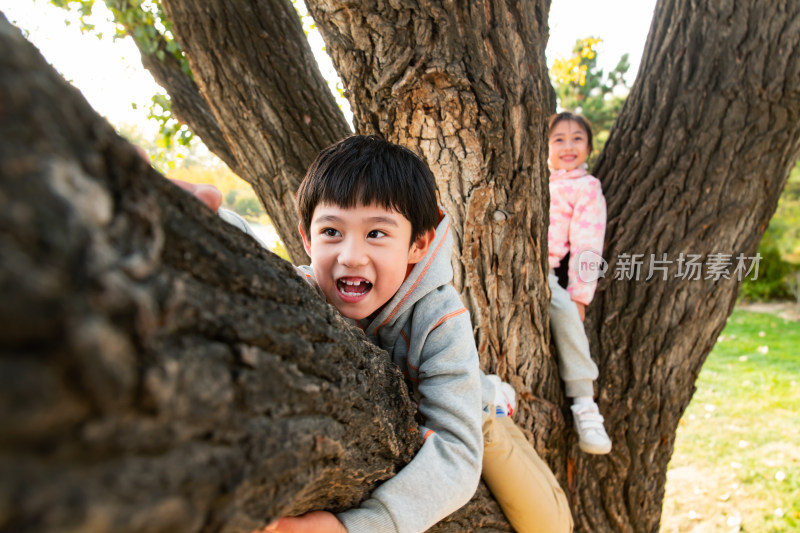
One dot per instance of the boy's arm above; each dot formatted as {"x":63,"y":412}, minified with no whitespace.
{"x":444,"y":474}
{"x":586,"y":234}
{"x":307,"y":273}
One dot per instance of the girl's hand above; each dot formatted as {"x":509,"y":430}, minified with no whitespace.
{"x":313,"y":522}
{"x":581,"y":310}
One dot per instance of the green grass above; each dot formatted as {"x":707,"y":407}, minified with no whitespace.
{"x":736,"y":464}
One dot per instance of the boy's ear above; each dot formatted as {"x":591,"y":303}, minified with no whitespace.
{"x":419,"y":248}
{"x":306,"y":240}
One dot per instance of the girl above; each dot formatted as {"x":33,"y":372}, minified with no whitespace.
{"x":577,"y":227}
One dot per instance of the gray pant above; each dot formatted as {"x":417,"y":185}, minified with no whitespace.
{"x":575,"y":363}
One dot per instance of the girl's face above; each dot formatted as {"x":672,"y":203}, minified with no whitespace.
{"x":569,"y":146}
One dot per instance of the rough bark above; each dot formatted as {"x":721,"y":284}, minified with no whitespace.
{"x":466,"y":86}
{"x":255,"y":69}
{"x":695,"y":164}
{"x":160,"y":371}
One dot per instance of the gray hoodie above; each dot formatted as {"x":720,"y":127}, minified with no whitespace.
{"x":427,"y":331}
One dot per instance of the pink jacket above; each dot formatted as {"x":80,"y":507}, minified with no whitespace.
{"x":577,"y":224}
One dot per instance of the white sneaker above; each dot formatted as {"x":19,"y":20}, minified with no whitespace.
{"x":592,"y":437}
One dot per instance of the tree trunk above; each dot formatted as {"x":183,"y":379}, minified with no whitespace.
{"x":160,"y":371}
{"x":465,"y":86}
{"x":694,"y":165}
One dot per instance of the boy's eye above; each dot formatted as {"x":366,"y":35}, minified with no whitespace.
{"x":374,"y":234}
{"x":330,"y":232}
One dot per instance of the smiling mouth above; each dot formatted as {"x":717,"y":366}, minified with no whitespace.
{"x":353,"y":288}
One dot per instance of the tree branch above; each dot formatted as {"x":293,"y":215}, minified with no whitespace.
{"x":188,"y":105}
{"x":256,"y":70}
{"x":695,"y":164}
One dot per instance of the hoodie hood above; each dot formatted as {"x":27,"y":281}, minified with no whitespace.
{"x":433,"y":271}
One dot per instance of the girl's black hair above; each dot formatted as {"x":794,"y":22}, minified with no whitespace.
{"x":366,"y":169}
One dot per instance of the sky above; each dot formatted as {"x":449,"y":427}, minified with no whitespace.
{"x":111,"y":77}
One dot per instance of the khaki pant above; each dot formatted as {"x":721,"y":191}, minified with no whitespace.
{"x":521,"y":482}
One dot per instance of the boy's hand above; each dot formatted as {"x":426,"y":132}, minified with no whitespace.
{"x":314,"y":522}
{"x":581,"y":310}
{"x":208,"y":194}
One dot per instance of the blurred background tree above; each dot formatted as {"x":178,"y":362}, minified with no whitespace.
{"x":583,"y":87}
{"x":779,"y":268}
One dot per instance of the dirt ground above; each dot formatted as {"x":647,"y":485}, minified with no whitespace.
{"x":787,"y":310}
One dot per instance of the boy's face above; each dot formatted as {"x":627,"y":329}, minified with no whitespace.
{"x":360,"y":255}
{"x":569,"y":146}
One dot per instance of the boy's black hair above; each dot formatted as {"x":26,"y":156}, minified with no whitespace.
{"x":572,"y":117}
{"x":365,"y":169}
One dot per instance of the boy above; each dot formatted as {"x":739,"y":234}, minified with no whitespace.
{"x":380,"y":253}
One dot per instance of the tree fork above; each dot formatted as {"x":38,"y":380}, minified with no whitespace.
{"x":695,"y":163}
